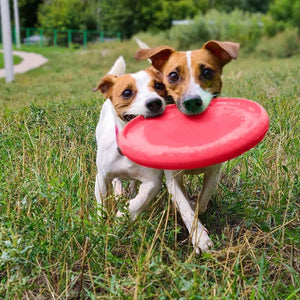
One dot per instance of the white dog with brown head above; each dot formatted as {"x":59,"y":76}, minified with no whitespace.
{"x":128,"y":95}
{"x":192,"y":79}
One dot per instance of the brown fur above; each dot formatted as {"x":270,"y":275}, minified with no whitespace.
{"x":113,"y":86}
{"x":213,"y":55}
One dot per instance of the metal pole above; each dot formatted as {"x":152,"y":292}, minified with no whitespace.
{"x":7,"y":43}
{"x":17,"y":23}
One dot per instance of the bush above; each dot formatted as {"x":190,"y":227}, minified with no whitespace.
{"x":287,"y":11}
{"x":68,"y":14}
{"x":282,"y":45}
{"x":272,"y":27}
{"x":190,"y":35}
{"x":237,"y":26}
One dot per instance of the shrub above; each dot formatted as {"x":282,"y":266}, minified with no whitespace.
{"x":190,"y":35}
{"x":67,"y":14}
{"x":271,"y":26}
{"x":287,"y":11}
{"x":284,"y":44}
{"x":237,"y":26}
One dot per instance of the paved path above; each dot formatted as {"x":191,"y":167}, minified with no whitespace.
{"x":30,"y":61}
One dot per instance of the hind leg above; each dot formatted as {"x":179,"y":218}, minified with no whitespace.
{"x":101,"y":192}
{"x":198,"y":233}
{"x":210,"y":182}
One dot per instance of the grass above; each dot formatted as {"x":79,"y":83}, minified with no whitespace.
{"x":54,"y":246}
{"x":17,"y":59}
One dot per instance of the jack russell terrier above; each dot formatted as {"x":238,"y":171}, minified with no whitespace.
{"x":128,"y":95}
{"x":192,"y":79}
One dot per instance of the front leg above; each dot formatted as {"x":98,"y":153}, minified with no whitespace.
{"x":147,"y":191}
{"x":210,"y":182}
{"x":101,"y":191}
{"x":198,"y":232}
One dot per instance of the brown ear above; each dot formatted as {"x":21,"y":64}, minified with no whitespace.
{"x":106,"y":84}
{"x":225,"y":51}
{"x":158,"y":55}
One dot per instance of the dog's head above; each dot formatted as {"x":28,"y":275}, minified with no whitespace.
{"x":141,"y":93}
{"x":135,"y":94}
{"x":192,"y":78}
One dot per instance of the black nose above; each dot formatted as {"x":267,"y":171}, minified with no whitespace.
{"x":154,"y":105}
{"x":193,"y":105}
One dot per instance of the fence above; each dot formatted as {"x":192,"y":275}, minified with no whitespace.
{"x":62,"y":38}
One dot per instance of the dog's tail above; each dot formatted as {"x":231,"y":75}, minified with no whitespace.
{"x":141,"y":44}
{"x":119,"y":67}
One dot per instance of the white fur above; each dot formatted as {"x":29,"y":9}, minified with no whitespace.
{"x":142,"y":80}
{"x":111,"y":165}
{"x":119,"y":67}
{"x":141,"y":44}
{"x":195,"y":89}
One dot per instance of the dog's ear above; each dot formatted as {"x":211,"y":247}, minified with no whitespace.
{"x":158,"y":55}
{"x":106,"y":84}
{"x":119,"y":67}
{"x":224,"y":51}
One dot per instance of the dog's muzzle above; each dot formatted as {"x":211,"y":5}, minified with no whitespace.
{"x":154,"y":105}
{"x":193,"y":105}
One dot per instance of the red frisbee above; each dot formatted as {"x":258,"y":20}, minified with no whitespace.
{"x":228,"y":128}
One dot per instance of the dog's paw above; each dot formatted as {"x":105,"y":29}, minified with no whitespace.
{"x":201,"y":241}
{"x":120,"y":214}
{"x":201,"y":209}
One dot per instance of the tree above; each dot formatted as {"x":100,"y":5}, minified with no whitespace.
{"x":28,"y":12}
{"x":287,"y":11}
{"x":132,"y":16}
{"x":68,"y":14}
{"x":128,"y":16}
{"x":245,"y":5}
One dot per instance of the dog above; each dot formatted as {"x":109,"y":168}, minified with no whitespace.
{"x":127,"y":96}
{"x":192,"y":79}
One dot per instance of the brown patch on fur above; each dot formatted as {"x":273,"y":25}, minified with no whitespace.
{"x":213,"y":55}
{"x":112,"y":88}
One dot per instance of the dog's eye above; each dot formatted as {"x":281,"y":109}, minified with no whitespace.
{"x":127,"y":94}
{"x":173,"y":77}
{"x":208,"y":73}
{"x":159,"y":86}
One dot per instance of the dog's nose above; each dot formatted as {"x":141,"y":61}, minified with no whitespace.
{"x":193,"y":105}
{"x":154,"y":105}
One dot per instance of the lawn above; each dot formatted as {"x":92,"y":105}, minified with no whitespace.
{"x":17,"y":59}
{"x":54,"y":246}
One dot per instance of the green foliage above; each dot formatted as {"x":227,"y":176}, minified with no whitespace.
{"x":245,"y":5}
{"x":190,"y":35}
{"x":237,"y":26}
{"x":284,"y":44}
{"x":68,"y":14}
{"x":116,"y":15}
{"x":28,"y":12}
{"x":287,"y":11}
{"x":153,"y":15}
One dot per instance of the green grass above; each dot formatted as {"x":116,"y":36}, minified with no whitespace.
{"x":54,"y":246}
{"x":17,"y":59}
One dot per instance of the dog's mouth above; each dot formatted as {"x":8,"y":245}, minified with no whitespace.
{"x":129,"y":117}
{"x":169,"y":100}
{"x":153,"y":115}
